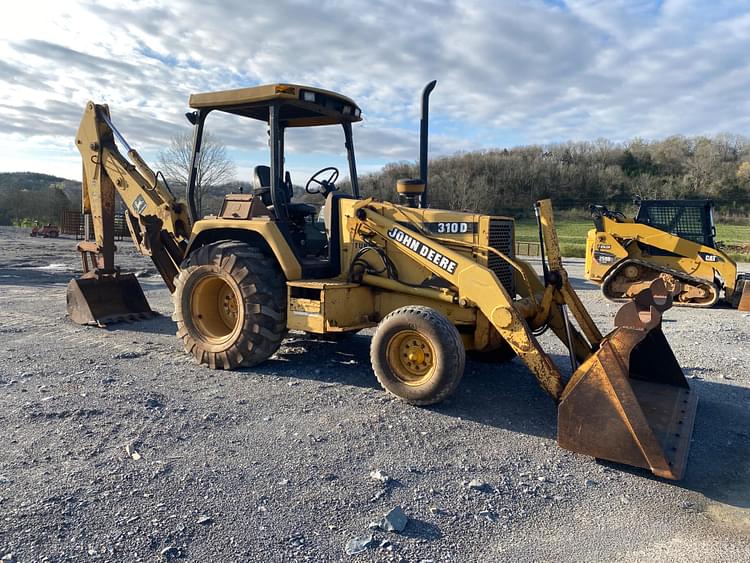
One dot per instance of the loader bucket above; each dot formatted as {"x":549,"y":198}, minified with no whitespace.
{"x":744,"y":303}
{"x":106,"y":299}
{"x":630,"y":402}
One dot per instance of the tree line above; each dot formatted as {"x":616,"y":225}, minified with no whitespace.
{"x":576,"y":174}
{"x":495,"y":181}
{"x":28,"y":196}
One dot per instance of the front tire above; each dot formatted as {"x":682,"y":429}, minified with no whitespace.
{"x":418,"y":355}
{"x":230,"y":305}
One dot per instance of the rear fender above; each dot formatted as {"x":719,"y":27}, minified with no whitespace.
{"x":264,"y":235}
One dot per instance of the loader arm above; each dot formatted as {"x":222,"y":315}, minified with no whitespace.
{"x":554,"y":257}
{"x":158,"y":224}
{"x":478,"y":287}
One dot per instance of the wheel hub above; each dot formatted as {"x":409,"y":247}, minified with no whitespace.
{"x":415,"y":355}
{"x":228,"y":309}
{"x":411,"y":357}
{"x":214,"y":308}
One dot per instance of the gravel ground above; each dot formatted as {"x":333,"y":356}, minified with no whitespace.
{"x":117,"y":447}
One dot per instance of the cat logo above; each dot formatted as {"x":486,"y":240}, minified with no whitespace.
{"x":710,"y":257}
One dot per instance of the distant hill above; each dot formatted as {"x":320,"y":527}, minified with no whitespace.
{"x":31,"y":196}
{"x":34,"y":181}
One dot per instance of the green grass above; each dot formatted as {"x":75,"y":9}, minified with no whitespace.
{"x":572,"y":235}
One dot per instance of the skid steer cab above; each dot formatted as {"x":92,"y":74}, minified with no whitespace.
{"x":436,"y":284}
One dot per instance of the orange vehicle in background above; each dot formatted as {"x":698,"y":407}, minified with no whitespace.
{"x":46,"y":231}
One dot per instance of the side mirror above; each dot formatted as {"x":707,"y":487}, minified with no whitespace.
{"x":192,"y":117}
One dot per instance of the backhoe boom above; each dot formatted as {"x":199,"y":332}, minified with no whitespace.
{"x":158,"y":224}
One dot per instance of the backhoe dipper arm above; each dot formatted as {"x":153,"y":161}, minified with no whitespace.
{"x":477,"y":286}
{"x":158,"y":224}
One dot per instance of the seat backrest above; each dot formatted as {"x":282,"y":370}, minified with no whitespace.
{"x":262,"y":183}
{"x":262,"y":177}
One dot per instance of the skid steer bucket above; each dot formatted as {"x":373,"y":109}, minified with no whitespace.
{"x":630,"y":402}
{"x":102,"y":300}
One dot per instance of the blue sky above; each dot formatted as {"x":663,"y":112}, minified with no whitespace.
{"x":508,"y":73}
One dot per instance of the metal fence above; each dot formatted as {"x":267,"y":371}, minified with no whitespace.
{"x":74,"y":223}
{"x":527,"y":249}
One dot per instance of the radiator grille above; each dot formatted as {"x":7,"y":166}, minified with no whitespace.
{"x":501,"y":238}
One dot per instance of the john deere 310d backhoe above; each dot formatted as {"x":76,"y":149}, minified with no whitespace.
{"x":436,"y":283}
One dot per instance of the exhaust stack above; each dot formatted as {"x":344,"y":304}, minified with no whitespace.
{"x":423,"y":130}
{"x":412,"y":192}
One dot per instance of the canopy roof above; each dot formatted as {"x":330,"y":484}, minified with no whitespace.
{"x":300,"y":106}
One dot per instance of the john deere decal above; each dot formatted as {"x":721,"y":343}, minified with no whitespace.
{"x":423,"y":250}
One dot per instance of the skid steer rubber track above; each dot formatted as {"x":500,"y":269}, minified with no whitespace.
{"x":656,"y":272}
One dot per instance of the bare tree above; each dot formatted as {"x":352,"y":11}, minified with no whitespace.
{"x":214,"y":166}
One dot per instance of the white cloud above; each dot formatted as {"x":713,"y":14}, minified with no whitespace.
{"x":508,"y":72}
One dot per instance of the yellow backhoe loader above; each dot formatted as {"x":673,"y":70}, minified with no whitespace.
{"x":436,"y":283}
{"x":667,"y":239}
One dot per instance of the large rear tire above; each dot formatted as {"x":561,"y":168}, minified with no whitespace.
{"x":230,"y":305}
{"x":418,"y":355}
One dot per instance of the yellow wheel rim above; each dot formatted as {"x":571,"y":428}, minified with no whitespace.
{"x":411,"y":357}
{"x":214,"y":308}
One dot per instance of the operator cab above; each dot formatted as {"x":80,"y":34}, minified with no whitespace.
{"x":688,"y":219}
{"x":691,"y":220}
{"x":283,"y":107}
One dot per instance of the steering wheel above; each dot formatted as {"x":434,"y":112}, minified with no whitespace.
{"x":325,"y":186}
{"x":600,"y":210}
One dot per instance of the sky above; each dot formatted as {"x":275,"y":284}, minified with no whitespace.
{"x":509,"y":72}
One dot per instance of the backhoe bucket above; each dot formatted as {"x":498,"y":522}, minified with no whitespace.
{"x":106,"y":299}
{"x":630,"y":402}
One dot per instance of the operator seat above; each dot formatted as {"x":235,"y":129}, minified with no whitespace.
{"x":262,"y":188}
